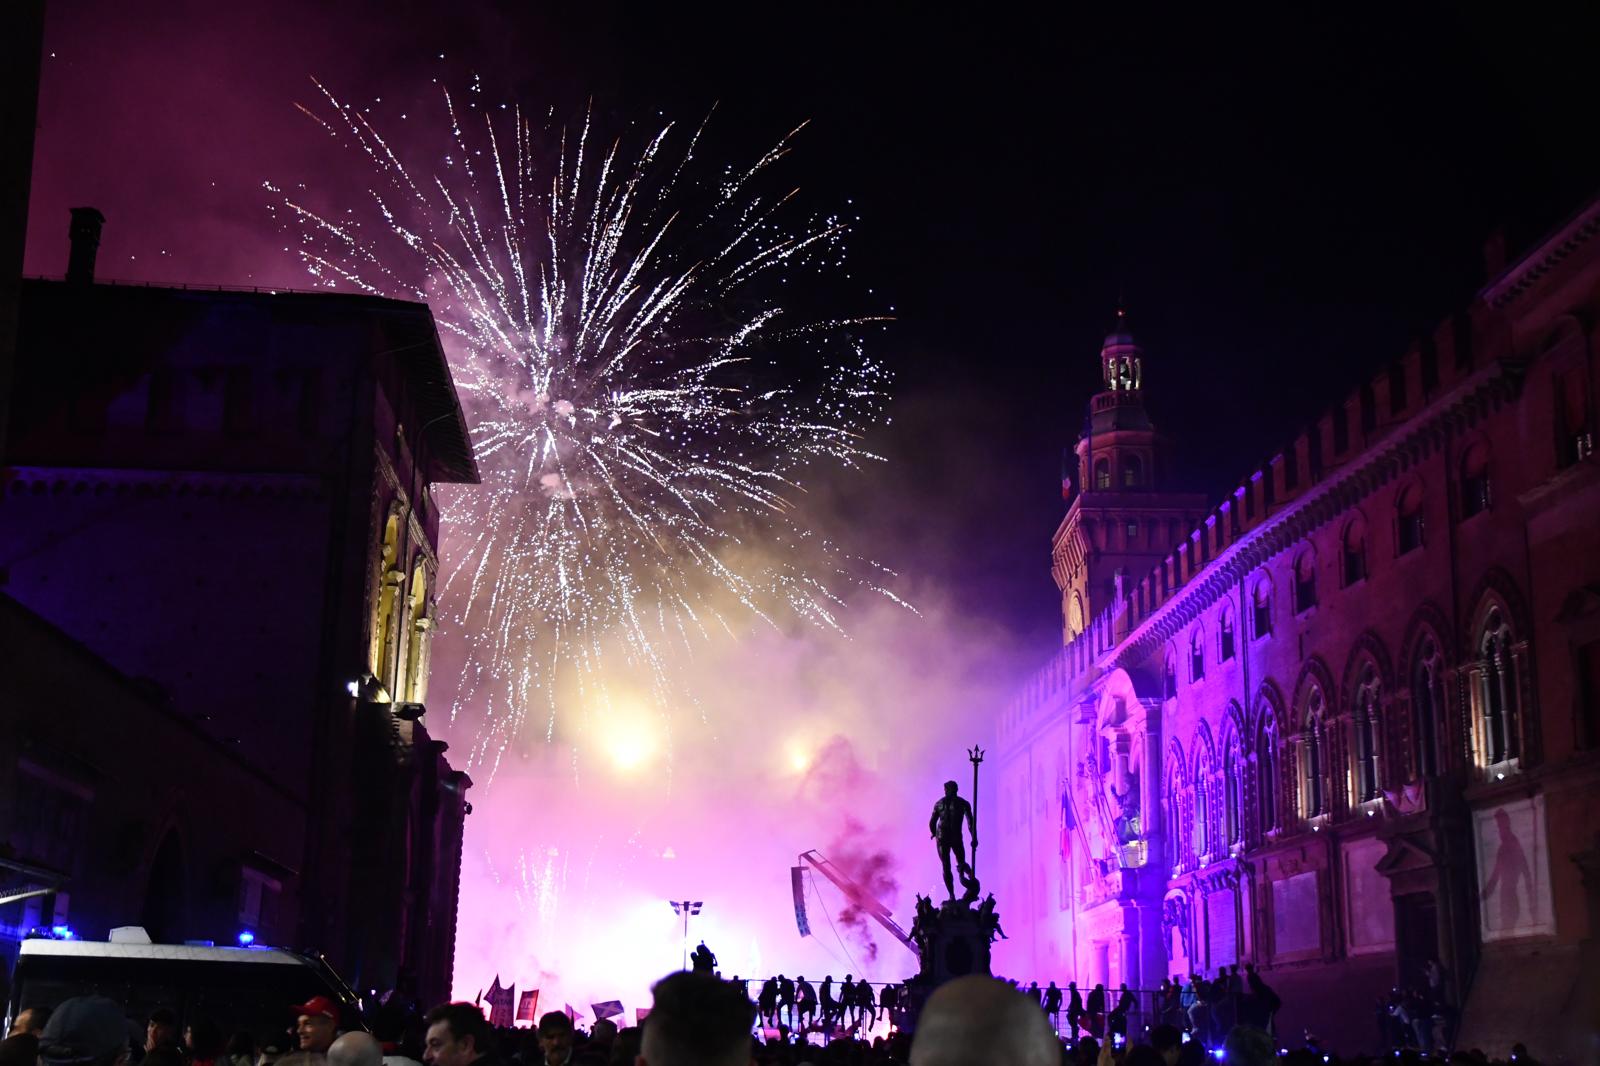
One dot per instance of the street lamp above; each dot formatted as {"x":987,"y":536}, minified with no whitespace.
{"x":685,"y":908}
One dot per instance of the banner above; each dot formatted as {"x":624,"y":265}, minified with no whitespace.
{"x":611,"y":1008}
{"x":528,"y":1007}
{"x":797,"y":882}
{"x":502,"y":1002}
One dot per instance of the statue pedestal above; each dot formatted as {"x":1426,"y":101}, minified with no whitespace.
{"x":955,"y":945}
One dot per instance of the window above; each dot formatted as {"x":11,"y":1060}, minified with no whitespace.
{"x":1169,"y":676}
{"x":1313,"y":791}
{"x":1305,"y":581}
{"x":1102,"y":474}
{"x":1132,"y":471}
{"x":419,"y":632}
{"x":1133,"y":531}
{"x":1232,"y":793}
{"x":1202,"y":809}
{"x":1408,"y":531}
{"x":1574,"y":434}
{"x":385,"y":606}
{"x":1261,"y":609}
{"x":1475,"y":496}
{"x":1498,"y":699}
{"x":1225,"y":637}
{"x":1354,"y":552}
{"x":1197,"y":657}
{"x":1589,"y":694}
{"x":1427,"y":707}
{"x":1368,"y":738}
{"x":1267,"y":773}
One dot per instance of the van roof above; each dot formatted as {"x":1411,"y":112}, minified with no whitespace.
{"x":96,"y":949}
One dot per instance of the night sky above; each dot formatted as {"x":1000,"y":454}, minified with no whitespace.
{"x":1282,"y":203}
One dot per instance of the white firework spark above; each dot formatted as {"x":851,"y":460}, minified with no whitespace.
{"x":615,"y":332}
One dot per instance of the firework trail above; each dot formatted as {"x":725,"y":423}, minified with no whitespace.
{"x":616,"y":330}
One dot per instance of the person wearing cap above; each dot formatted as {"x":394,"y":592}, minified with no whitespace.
{"x":317,"y":1024}
{"x":85,"y":1031}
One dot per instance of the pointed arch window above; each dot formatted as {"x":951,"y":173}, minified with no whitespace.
{"x":1261,"y":609}
{"x":1368,"y":734}
{"x":1498,"y":699}
{"x":1266,"y":781}
{"x":1408,"y":520}
{"x":1197,"y":656}
{"x":385,"y":606}
{"x":1305,"y":581}
{"x":1232,"y":793}
{"x":1225,"y":636}
{"x":1169,"y":675}
{"x":1199,"y":840}
{"x":1313,"y":754}
{"x":1574,"y":429}
{"x":419,"y":633}
{"x":1353,"y":551}
{"x":1427,"y":707}
{"x":1475,"y":495}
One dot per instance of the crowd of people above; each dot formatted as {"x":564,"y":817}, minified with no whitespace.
{"x":701,"y":1019}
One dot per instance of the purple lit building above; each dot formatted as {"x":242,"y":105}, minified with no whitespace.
{"x":1347,"y":723}
{"x":217,"y":520}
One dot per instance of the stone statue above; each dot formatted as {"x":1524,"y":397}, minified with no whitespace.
{"x":1126,"y":824}
{"x":945,"y":828}
{"x":989,"y":921}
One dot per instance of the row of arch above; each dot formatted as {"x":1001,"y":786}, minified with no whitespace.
{"x":402,"y":622}
{"x":1333,"y":748}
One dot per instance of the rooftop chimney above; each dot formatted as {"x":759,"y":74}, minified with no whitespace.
{"x":84,"y":234}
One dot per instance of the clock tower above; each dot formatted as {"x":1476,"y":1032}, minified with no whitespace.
{"x":1125,"y":513}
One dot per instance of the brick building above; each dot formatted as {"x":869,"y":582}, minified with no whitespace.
{"x":1347,"y":722}
{"x":221,"y":503}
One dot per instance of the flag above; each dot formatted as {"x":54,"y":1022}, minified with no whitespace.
{"x":501,"y":1003}
{"x":528,"y":1008}
{"x":574,"y":1015}
{"x":611,"y":1008}
{"x":640,"y":1014}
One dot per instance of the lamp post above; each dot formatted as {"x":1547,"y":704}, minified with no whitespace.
{"x":975,"y":754}
{"x":685,"y":908}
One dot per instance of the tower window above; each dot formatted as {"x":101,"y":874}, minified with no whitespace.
{"x":1369,"y":737}
{"x":1132,"y":471}
{"x":1498,"y":696}
{"x":1305,"y":581}
{"x":1102,"y":474}
{"x":1133,"y":532}
{"x":1225,"y":637}
{"x":1261,"y":609}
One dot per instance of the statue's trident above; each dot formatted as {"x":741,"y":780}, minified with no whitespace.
{"x":975,"y":753}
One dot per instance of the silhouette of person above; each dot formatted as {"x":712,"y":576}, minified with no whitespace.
{"x":701,"y":960}
{"x":767,"y":1001}
{"x":830,"y":1006}
{"x":944,"y":826}
{"x":1097,"y":1011}
{"x":1510,"y":875}
{"x":786,"y":999}
{"x":1052,"y":1004}
{"x":1075,"y":1011}
{"x":806,"y":1001}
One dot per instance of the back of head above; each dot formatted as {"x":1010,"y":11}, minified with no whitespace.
{"x":977,"y":1019}
{"x":697,"y":1020}
{"x":19,"y":1049}
{"x":1249,"y":1046}
{"x":84,"y":1031}
{"x":356,"y":1049}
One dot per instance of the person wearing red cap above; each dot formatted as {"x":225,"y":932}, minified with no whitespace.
{"x":318,"y":1024}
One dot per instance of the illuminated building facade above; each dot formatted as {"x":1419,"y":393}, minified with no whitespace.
{"x":226,"y":498}
{"x":1347,"y":723}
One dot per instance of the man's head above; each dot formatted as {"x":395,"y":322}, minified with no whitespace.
{"x":697,"y":1020}
{"x":979,"y":1019}
{"x":555,"y":1037}
{"x":1249,"y":1046}
{"x":85,"y":1031}
{"x":316,"y":1024}
{"x":162,"y":1029}
{"x":951,"y":788}
{"x":31,"y":1020}
{"x":1167,"y":1041}
{"x":458,"y":1035}
{"x":356,"y":1049}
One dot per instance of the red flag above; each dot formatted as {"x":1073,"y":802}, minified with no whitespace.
{"x":528,"y":1008}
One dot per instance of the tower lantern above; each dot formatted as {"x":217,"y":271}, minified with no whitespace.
{"x":1121,"y":359}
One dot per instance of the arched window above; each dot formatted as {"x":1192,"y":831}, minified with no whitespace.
{"x":1132,"y":471}
{"x":1074,"y":616}
{"x":1225,"y":636}
{"x":1169,"y":675}
{"x":385,"y":636}
{"x":1179,"y":825}
{"x":1261,"y":609}
{"x":1313,"y":754}
{"x":419,"y":634}
{"x":1102,"y":474}
{"x":1232,"y":792}
{"x":1353,"y":550}
{"x":1498,"y":698}
{"x":1267,"y":773}
{"x":1427,"y":707}
{"x":1369,"y":736}
{"x":1408,"y":520}
{"x":1475,"y":496}
{"x":1305,"y":581}
{"x":1197,"y":655}
{"x":1200,"y":841}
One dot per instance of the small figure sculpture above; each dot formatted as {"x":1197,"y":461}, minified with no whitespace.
{"x":944,"y":826}
{"x":989,"y":921}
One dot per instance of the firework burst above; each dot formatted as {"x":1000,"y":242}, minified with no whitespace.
{"x":627,"y":363}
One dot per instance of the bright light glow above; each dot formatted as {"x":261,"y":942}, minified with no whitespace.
{"x":246,"y":938}
{"x":354,"y":688}
{"x":61,"y":932}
